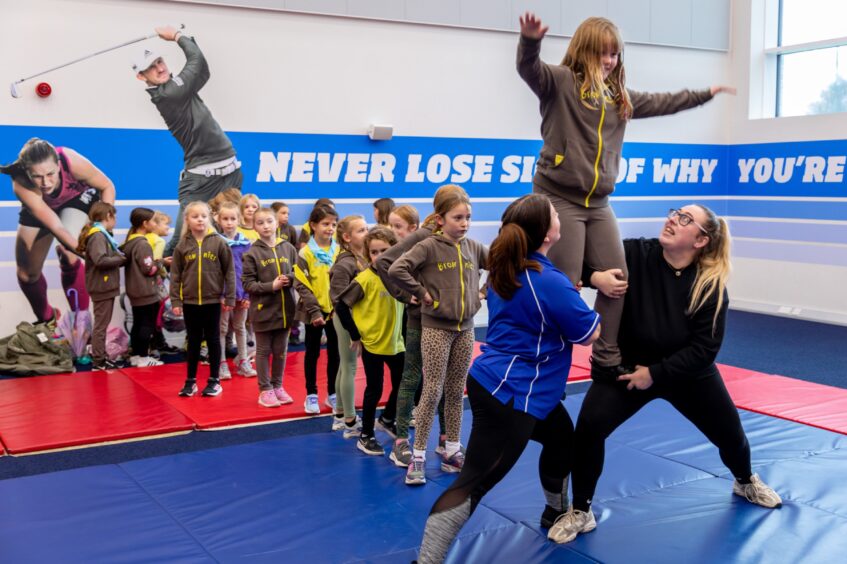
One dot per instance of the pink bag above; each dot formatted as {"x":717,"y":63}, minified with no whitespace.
{"x":117,"y":342}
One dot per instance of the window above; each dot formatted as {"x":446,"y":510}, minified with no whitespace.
{"x":811,"y":66}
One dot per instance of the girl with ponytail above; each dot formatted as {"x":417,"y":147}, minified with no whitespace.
{"x":103,"y":261}
{"x":516,"y":385}
{"x":671,"y":331}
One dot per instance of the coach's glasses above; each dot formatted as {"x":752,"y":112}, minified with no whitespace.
{"x":684,"y":219}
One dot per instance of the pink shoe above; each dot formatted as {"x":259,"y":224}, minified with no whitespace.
{"x":282,"y":396}
{"x":268,"y":399}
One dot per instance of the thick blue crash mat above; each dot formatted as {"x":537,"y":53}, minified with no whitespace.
{"x":315,"y":498}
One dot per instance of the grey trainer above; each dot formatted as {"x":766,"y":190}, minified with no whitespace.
{"x":401,"y":454}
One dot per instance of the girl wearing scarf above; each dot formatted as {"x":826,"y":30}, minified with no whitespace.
{"x":103,"y":261}
{"x":315,"y":307}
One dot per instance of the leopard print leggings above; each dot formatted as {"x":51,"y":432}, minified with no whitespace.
{"x":446,"y":360}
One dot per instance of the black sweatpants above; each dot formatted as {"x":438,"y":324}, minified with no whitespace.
{"x":143,"y":327}
{"x":375,"y":377}
{"x":203,"y":323}
{"x":499,"y":435}
{"x":313,"y":352}
{"x":704,"y":402}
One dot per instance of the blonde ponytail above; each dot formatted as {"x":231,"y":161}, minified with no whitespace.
{"x":713,"y":266}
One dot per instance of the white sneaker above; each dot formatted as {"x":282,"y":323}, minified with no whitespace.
{"x":330,"y":402}
{"x":338,"y":423}
{"x":311,"y":404}
{"x":355,"y":431}
{"x":224,"y":373}
{"x":245,"y":369}
{"x":144,"y":361}
{"x":570,"y":524}
{"x":757,"y":492}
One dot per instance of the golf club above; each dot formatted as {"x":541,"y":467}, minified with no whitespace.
{"x":14,"y":87}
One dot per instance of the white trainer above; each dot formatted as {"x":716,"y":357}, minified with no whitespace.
{"x":569,"y":525}
{"x":757,"y":492}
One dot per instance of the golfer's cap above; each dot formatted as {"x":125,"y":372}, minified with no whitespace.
{"x":144,"y":59}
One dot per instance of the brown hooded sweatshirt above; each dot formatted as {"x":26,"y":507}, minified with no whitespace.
{"x":201,"y":270}
{"x":450,"y":273}
{"x":269,"y":309}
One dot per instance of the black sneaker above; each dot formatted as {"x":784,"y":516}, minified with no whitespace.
{"x":389,"y":427}
{"x":607,"y":374}
{"x":213,"y":388}
{"x":549,"y":516}
{"x":159,"y":343}
{"x":369,"y":445}
{"x":165,"y":348}
{"x":188,"y":390}
{"x":105,"y":365}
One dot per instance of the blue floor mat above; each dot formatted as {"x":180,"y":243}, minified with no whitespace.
{"x":314,"y":498}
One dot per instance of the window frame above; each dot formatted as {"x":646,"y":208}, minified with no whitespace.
{"x":774,"y":56}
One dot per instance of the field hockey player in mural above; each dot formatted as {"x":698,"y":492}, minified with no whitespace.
{"x":56,"y":187}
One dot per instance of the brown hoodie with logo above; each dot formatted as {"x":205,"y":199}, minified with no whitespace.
{"x":342,"y":273}
{"x":269,"y":309}
{"x":201,"y":270}
{"x":582,"y":143}
{"x":450,"y":273}
{"x":140,"y":271}
{"x":102,"y":268}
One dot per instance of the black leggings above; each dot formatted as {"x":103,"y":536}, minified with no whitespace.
{"x":143,"y":326}
{"x":203,"y":323}
{"x":704,"y":402}
{"x":313,"y":352}
{"x":499,"y":435}
{"x":375,"y":377}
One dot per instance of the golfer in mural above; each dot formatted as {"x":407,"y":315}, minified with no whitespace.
{"x":210,"y":162}
{"x":56,"y":187}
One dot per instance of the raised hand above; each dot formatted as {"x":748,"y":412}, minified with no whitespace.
{"x":531,"y":26}
{"x":726,"y":89}
{"x":167,"y":32}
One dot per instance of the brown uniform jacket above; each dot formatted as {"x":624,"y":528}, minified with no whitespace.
{"x":102,"y":268}
{"x":140,"y":271}
{"x":201,"y":270}
{"x":450,"y":273}
{"x":582,"y":145}
{"x":384,"y":262}
{"x":342,"y":273}
{"x":269,"y":309}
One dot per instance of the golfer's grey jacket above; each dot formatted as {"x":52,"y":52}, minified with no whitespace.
{"x":186,"y":115}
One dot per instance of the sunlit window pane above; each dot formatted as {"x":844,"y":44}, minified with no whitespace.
{"x":813,"y":82}
{"x":804,"y":21}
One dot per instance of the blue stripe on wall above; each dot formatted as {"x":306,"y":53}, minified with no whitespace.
{"x":145,"y":165}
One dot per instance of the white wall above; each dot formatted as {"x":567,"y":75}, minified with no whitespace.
{"x":287,"y":72}
{"x":812,"y":291}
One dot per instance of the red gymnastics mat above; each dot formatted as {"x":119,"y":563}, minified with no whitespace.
{"x":68,"y":410}
{"x":238,"y":404}
{"x":804,"y":402}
